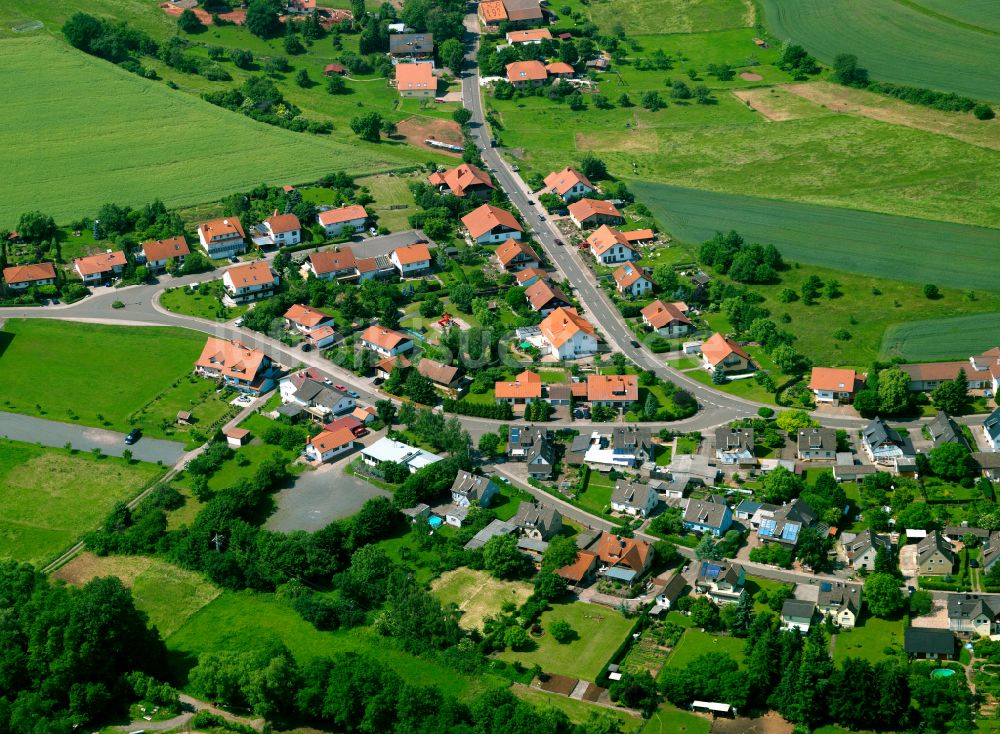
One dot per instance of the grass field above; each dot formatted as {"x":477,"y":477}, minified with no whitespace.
{"x":195,"y":395}
{"x":143,"y":140}
{"x":578,"y":711}
{"x":600,"y":631}
{"x":868,"y":641}
{"x":669,"y":719}
{"x":596,"y":496}
{"x":246,"y":621}
{"x":204,"y":306}
{"x":942,"y":339}
{"x":981,"y":15}
{"x":478,"y":594}
{"x":52,"y":496}
{"x":90,"y":369}
{"x":168,"y":594}
{"x":695,"y":643}
{"x":883,"y":33}
{"x":672,"y":16}
{"x":393,"y":199}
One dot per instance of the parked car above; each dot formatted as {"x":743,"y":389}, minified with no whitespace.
{"x":306,"y":347}
{"x":353,"y":393}
{"x":378,"y":381}
{"x":559,"y":242}
{"x":634,"y":343}
{"x":234,"y":259}
{"x":327,"y":381}
{"x":134,"y":435}
{"x":238,"y":323}
{"x":341,"y":388}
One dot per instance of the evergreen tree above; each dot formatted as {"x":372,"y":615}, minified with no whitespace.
{"x":744,"y":614}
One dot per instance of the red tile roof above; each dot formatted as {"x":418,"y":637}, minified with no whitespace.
{"x":280,"y":223}
{"x":828,"y":378}
{"x":461,"y":178}
{"x":384,"y":338}
{"x":102,"y":263}
{"x":526,"y":71}
{"x":231,"y":358}
{"x":166,"y":249}
{"x":658,"y":314}
{"x":412,"y":254}
{"x":529,"y":36}
{"x":718,"y":347}
{"x":558,"y":68}
{"x":562,"y":325}
{"x":522,"y":276}
{"x":343,"y":214}
{"x":612,"y":387}
{"x":492,"y":11}
{"x":604,"y":238}
{"x":333,"y":261}
{"x":628,"y":274}
{"x":617,"y":551}
{"x":418,"y":76}
{"x":221,"y":229}
{"x":584,"y":209}
{"x":507,"y":251}
{"x":28,"y":273}
{"x":306,"y":316}
{"x":329,"y":440}
{"x":485,"y":218}
{"x":541,"y":293}
{"x":255,"y":273}
{"x":562,"y":181}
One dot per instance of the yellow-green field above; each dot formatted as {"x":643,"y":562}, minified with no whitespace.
{"x":477,"y":594}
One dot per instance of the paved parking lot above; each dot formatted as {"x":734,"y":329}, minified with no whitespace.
{"x":319,"y":497}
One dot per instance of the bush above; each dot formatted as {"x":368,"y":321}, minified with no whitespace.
{"x":983,"y":112}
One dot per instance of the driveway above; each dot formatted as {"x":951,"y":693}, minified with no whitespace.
{"x":53,"y":433}
{"x":319,"y":497}
{"x":908,"y":560}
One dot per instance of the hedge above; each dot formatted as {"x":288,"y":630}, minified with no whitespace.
{"x":497,"y":411}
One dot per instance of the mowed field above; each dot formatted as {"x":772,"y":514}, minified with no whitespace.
{"x":79,"y":132}
{"x":477,"y":594}
{"x":897,"y":248}
{"x":942,"y":339}
{"x":50,"y":497}
{"x":896,"y":42}
{"x":61,"y":369}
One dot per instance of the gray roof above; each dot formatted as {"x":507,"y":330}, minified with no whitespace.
{"x":536,"y":516}
{"x":748,"y":507}
{"x":470,"y":485}
{"x":289,"y":410}
{"x":536,"y":440}
{"x":316,"y":393}
{"x":992,"y":424}
{"x":798,"y":609}
{"x":991,"y":550}
{"x":878,"y":432}
{"x":970,"y":606}
{"x":987,"y":460}
{"x":943,"y":430}
{"x":674,"y":588}
{"x":531,"y":544}
{"x":928,"y":641}
{"x":817,"y":439}
{"x":411,"y":43}
{"x":689,"y":467}
{"x":497,"y":527}
{"x":633,"y":494}
{"x":852,"y":471}
{"x":839,"y":595}
{"x":631,"y":438}
{"x":415,"y":511}
{"x":864,"y":540}
{"x":716,"y":571}
{"x":933,"y":542}
{"x":705,"y":513}
{"x":587,"y":537}
{"x":739,"y":438}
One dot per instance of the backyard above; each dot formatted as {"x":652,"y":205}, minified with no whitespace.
{"x":599,"y":632}
{"x":870,"y":641}
{"x":578,"y":711}
{"x":50,"y":497}
{"x":695,"y":643}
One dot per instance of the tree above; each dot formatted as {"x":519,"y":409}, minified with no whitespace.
{"x":562,"y":632}
{"x":335,"y":84}
{"x":502,"y":558}
{"x":781,"y":486}
{"x":847,"y":72}
{"x":593,"y":167}
{"x":917,"y":516}
{"x":705,"y":614}
{"x":810,"y":289}
{"x":291,"y":42}
{"x":635,"y":690}
{"x":35,"y":227}
{"x":262,"y":18}
{"x":983,"y":111}
{"x":743,"y":616}
{"x":952,"y":396}
{"x":651,"y":101}
{"x":189,"y":22}
{"x":562,"y":551}
{"x":367,"y":127}
{"x":866,"y":403}
{"x":951,"y":461}
{"x":452,"y":54}
{"x":680,"y":90}
{"x":241,"y":58}
{"x":931,"y":292}
{"x":884,"y":597}
{"x":388,"y":127}
{"x":489,"y":444}
{"x":921,"y":602}
{"x":515,"y":637}
{"x":812,"y":549}
{"x":419,"y":389}
{"x":707,"y":549}
{"x":461,"y":116}
{"x":794,"y":420}
{"x":302,"y":79}
{"x":894,"y":395}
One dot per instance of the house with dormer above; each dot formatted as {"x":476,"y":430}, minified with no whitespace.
{"x":935,"y":556}
{"x":707,"y":516}
{"x":667,"y":319}
{"x":734,"y":444}
{"x":537,"y":521}
{"x":817,"y":443}
{"x":882,"y":443}
{"x":723,"y":582}
{"x":533,"y":446}
{"x":568,"y":184}
{"x":236,"y":365}
{"x":631,"y":280}
{"x":863,"y":547}
{"x":973,"y":615}
{"x":472,"y":489}
{"x":633,"y":498}
{"x":839,"y":602}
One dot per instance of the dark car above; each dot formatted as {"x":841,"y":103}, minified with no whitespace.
{"x":559,"y":242}
{"x":306,"y":347}
{"x":378,"y":381}
{"x":134,"y":435}
{"x":635,"y":344}
{"x":910,"y":589}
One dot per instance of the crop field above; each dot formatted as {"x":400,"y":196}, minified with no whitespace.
{"x":52,"y":496}
{"x":89,"y":373}
{"x":142,"y":141}
{"x":981,"y":15}
{"x":478,"y":594}
{"x":671,"y":16}
{"x":884,"y":33}
{"x":917,"y":250}
{"x":942,"y":339}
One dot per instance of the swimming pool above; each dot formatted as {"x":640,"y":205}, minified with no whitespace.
{"x":435,"y":522}
{"x":943,"y":673}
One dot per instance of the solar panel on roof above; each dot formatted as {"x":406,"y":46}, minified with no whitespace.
{"x":790,"y":532}
{"x":826,"y":586}
{"x":767,"y":528}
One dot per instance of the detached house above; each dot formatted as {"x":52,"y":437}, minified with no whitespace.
{"x":882,"y":443}
{"x":537,"y":521}
{"x":96,"y":269}
{"x":702,"y":516}
{"x":306,"y":319}
{"x":222,"y":238}
{"x":991,"y":429}
{"x":531,"y":37}
{"x":339,"y":262}
{"x":927,"y":643}
{"x":490,"y":224}
{"x":157,"y":254}
{"x":840,"y":602}
{"x":411,"y":259}
{"x":22,"y":277}
{"x":525,"y":388}
{"x":784,"y":524}
{"x":721,"y":581}
{"x":734,"y":444}
{"x":238,"y":366}
{"x":623,"y":446}
{"x":442,"y":375}
{"x":283,"y":229}
{"x":329,"y":445}
{"x":721,"y":353}
{"x":633,"y":498}
{"x":320,"y":400}
{"x":623,"y":559}
{"x":471,"y":489}
{"x":568,"y":184}
{"x":386,"y":342}
{"x":631,"y":280}
{"x":248,"y":283}
{"x":973,"y":615}
{"x":411,"y":47}
{"x":934,"y":555}
{"x":533,"y":446}
{"x":613,"y":391}
{"x":862,"y":549}
{"x":569,"y":335}
{"x":416,"y":80}
{"x":610,"y":246}
{"x":514,"y":255}
{"x":817,"y":443}
{"x":667,"y":319}
{"x":350,"y":219}
{"x":798,"y":615}
{"x":560,"y":70}
{"x":526,"y":74}
{"x":464,"y":180}
{"x":587,"y":213}
{"x":545,"y":298}
{"x":833,"y":385}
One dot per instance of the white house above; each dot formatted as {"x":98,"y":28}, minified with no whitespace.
{"x":610,"y":246}
{"x":568,"y":184}
{"x":569,"y":335}
{"x":96,"y":268}
{"x":490,"y":225}
{"x":340,"y":262}
{"x":667,"y":319}
{"x":633,"y":498}
{"x":306,"y":320}
{"x":991,"y":429}
{"x":831,"y":385}
{"x":386,"y":342}
{"x":328,"y":445}
{"x":411,"y":259}
{"x":157,"y":253}
{"x":349,"y":219}
{"x":222,"y":238}
{"x":22,"y":277}
{"x":385,"y":449}
{"x":632,"y":281}
{"x":471,"y":489}
{"x":249,"y":282}
{"x":283,"y":229}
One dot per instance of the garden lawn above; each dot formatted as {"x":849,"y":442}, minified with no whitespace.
{"x":244,"y":621}
{"x":578,"y":711}
{"x":61,"y":369}
{"x":144,"y":141}
{"x":393,"y":199}
{"x":596,"y":497}
{"x":477,"y":594}
{"x":669,"y":719}
{"x":868,"y":641}
{"x":50,"y":497}
{"x":200,"y":397}
{"x":600,"y":631}
{"x":865,"y":243}
{"x":508,"y":500}
{"x":192,"y":303}
{"x":880,"y":32}
{"x":695,"y":643}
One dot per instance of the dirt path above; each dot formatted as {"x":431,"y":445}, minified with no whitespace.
{"x":194,"y":706}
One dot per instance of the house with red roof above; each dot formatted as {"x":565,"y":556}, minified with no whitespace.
{"x":236,"y":365}
{"x":346,"y":219}
{"x":338,"y":262}
{"x":568,"y":184}
{"x":157,"y":254}
{"x":22,"y":277}
{"x":490,"y":224}
{"x":631,"y":280}
{"x":608,"y":246}
{"x":667,"y":319}
{"x":526,"y":74}
{"x":720,"y":352}
{"x":416,"y":80}
{"x":411,"y":259}
{"x":95,"y":269}
{"x":249,"y":282}
{"x":569,"y":335}
{"x":587,"y":213}
{"x":514,"y":255}
{"x":306,"y":319}
{"x":329,"y":445}
{"x":464,"y":180}
{"x":830,"y":385}
{"x":385,"y":341}
{"x":222,"y":238}
{"x":283,"y":229}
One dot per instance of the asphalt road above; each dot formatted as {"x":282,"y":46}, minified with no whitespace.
{"x":53,"y":433}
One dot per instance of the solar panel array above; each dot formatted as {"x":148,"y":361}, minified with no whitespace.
{"x":767,"y":528}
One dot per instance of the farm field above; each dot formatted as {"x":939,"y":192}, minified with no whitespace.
{"x":883,"y":34}
{"x":600,"y":631}
{"x":672,"y":16}
{"x":918,"y":250}
{"x":477,"y":594}
{"x":167,"y":593}
{"x":942,"y":339}
{"x":983,"y":15}
{"x":244,"y":621}
{"x":50,"y":497}
{"x":95,"y":374}
{"x":134,"y":158}
{"x":578,"y":711}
